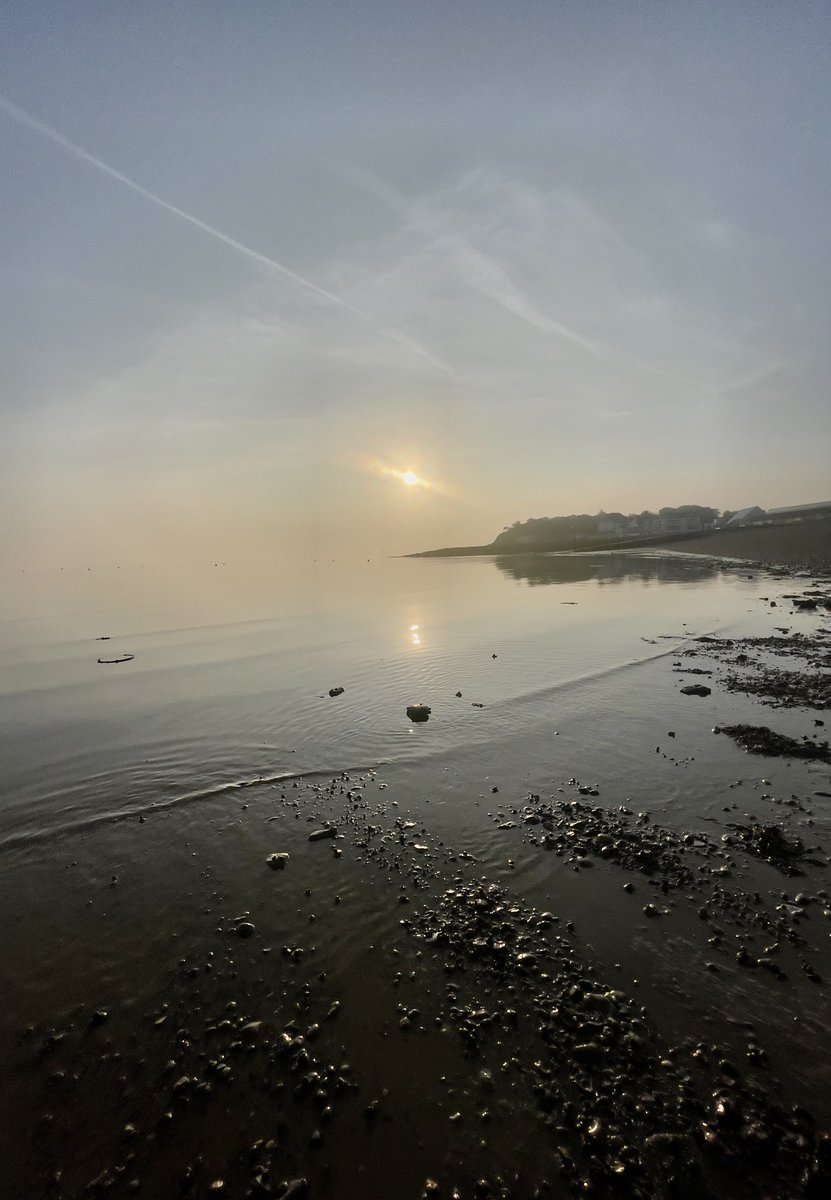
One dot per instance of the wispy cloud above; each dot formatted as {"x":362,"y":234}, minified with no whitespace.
{"x":488,"y":277}
{"x":481,"y":272}
{"x":750,"y":378}
{"x":21,"y":117}
{"x":587,"y":259}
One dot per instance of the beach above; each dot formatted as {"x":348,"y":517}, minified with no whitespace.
{"x":568,"y":936}
{"x":804,"y":544}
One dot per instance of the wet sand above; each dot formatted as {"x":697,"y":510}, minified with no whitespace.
{"x":495,"y":976}
{"x":806,"y":545}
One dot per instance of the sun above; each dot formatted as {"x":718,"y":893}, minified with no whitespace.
{"x":412,"y":480}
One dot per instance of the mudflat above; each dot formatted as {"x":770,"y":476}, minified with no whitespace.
{"x":805,"y":544}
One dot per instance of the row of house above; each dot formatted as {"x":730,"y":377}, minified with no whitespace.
{"x":693,"y":518}
{"x":689,"y":518}
{"x":778,"y":516}
{"x":582,"y":531}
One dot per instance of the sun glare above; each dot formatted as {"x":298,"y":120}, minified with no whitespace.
{"x":410,"y":478}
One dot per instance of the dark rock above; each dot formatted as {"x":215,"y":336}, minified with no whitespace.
{"x":319,"y":835}
{"x":696,"y":689}
{"x":293,"y":1189}
{"x":419,"y":712}
{"x":588,"y":1052}
{"x":336,"y":691}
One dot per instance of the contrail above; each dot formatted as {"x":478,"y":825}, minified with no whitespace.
{"x":24,"y":118}
{"x":483,"y":273}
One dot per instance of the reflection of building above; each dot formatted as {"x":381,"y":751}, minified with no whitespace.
{"x":541,"y":569}
{"x":799,"y":512}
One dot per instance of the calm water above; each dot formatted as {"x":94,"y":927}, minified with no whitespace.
{"x":138,"y":803}
{"x":231,"y":672}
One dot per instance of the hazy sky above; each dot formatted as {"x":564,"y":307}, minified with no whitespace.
{"x":551,"y":257}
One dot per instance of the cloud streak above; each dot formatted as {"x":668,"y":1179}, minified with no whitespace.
{"x":481,"y":272}
{"x":491,"y":280}
{"x":21,"y":117}
{"x":751,"y":378}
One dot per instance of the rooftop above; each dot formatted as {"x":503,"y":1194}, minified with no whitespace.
{"x":790,"y":509}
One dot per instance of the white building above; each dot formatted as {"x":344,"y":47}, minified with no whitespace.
{"x":799,"y":512}
{"x":745,"y":516}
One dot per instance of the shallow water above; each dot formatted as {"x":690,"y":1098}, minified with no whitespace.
{"x":139,"y":801}
{"x":231,"y":674}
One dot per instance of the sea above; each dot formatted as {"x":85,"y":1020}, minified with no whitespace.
{"x":229,"y":673}
{"x":163,"y":732}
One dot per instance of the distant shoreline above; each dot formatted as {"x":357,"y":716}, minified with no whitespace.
{"x":804,"y":544}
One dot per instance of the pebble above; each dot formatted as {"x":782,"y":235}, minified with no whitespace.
{"x":319,"y":835}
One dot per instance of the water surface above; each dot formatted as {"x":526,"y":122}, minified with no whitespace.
{"x":139,"y":801}
{"x":232,"y":671}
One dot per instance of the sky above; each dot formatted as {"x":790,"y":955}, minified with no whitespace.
{"x":349,"y":278}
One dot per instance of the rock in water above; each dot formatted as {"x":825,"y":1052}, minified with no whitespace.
{"x":696,"y":689}
{"x":419,"y":712}
{"x":336,"y":691}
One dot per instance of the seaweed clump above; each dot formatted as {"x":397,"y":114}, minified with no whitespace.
{"x":758,"y":739}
